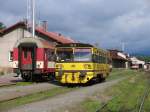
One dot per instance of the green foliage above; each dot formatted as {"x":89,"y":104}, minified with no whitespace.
{"x":2,"y":73}
{"x":2,"y":26}
{"x":144,"y":58}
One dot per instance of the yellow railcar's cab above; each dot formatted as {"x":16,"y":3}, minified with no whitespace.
{"x":80,"y":63}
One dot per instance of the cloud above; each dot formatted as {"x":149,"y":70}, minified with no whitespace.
{"x":107,"y":22}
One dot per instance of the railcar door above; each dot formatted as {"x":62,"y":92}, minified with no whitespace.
{"x":27,"y":58}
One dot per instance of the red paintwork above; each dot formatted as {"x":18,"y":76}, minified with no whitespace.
{"x":15,"y":54}
{"x":51,"y":69}
{"x":45,"y":59}
{"x":40,"y":54}
{"x":28,"y":59}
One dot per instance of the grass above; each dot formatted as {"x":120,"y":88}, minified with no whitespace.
{"x":24,"y":83}
{"x":17,"y":84}
{"x":125,"y":94}
{"x":90,"y":105}
{"x":33,"y":98}
{"x":128,"y":93}
{"x":127,"y":88}
{"x":118,"y":73}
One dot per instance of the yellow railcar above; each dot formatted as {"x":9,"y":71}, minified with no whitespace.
{"x":80,"y":63}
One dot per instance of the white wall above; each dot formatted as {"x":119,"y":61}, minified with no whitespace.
{"x":7,"y":43}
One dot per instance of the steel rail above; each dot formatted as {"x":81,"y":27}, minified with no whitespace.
{"x":143,"y":100}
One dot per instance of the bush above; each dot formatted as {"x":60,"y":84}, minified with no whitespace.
{"x":2,"y":73}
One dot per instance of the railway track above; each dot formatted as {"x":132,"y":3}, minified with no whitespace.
{"x":140,"y":103}
{"x":138,"y":108}
{"x":105,"y":104}
{"x":7,"y":82}
{"x":143,"y":99}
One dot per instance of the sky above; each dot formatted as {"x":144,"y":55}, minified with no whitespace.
{"x":108,"y":23}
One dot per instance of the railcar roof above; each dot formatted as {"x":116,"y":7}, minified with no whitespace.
{"x":39,"y":42}
{"x":79,"y":45}
{"x":75,"y":45}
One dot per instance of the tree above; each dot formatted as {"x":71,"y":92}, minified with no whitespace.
{"x":2,"y":26}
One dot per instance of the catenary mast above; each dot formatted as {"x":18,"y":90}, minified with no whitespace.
{"x":31,"y":16}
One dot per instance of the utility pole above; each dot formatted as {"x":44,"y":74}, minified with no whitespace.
{"x":31,"y":16}
{"x":123,"y":46}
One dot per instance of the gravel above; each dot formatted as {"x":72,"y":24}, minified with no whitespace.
{"x":19,"y":91}
{"x":64,"y":100}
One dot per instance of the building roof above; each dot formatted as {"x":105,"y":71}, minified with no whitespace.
{"x":135,"y":60}
{"x":55,"y":36}
{"x":114,"y":55}
{"x":52,"y":35}
{"x":0,"y":32}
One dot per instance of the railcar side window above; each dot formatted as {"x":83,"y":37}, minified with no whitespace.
{"x":94,"y":58}
{"x":10,"y":56}
{"x":51,"y":56}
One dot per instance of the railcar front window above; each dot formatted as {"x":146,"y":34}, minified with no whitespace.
{"x":82,"y":55}
{"x":65,"y":55}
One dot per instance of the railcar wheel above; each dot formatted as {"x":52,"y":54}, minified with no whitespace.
{"x":103,"y":79}
{"x":100,"y":78}
{"x":26,"y":76}
{"x":51,"y":76}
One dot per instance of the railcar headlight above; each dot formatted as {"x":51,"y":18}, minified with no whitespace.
{"x":59,"y":66}
{"x":73,"y":66}
{"x":82,"y":74}
{"x":87,"y":66}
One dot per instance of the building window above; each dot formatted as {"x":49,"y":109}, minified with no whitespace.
{"x":10,"y":56}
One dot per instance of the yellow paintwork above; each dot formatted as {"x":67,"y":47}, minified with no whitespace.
{"x":69,"y":72}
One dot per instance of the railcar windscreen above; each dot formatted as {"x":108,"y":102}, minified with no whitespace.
{"x":64,"y":54}
{"x":82,"y":55}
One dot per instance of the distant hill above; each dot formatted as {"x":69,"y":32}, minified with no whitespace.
{"x":144,"y":58}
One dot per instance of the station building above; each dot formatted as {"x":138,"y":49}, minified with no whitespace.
{"x":12,"y":34}
{"x":137,"y":64}
{"x":119,"y":59}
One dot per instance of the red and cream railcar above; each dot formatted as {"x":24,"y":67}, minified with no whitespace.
{"x":33,"y":58}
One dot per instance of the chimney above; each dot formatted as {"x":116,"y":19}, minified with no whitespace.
{"x":59,"y":34}
{"x":45,"y":25}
